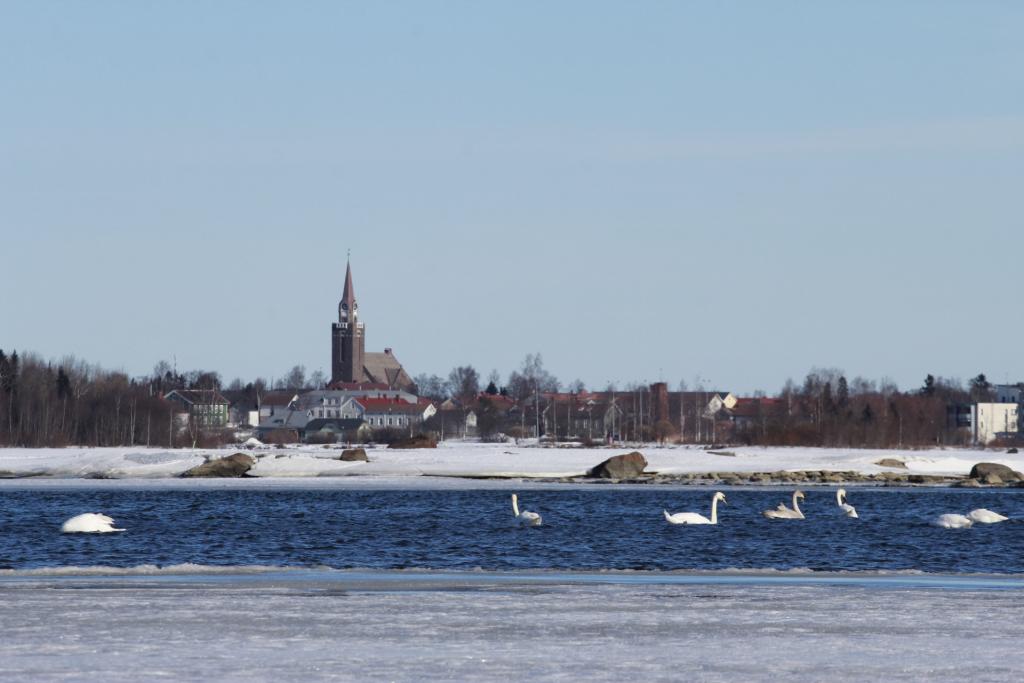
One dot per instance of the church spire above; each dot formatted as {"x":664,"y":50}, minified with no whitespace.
{"x":348,"y":308}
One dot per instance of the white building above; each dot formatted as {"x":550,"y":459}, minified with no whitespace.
{"x":990,"y":421}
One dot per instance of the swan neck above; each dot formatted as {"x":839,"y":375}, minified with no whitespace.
{"x":839,"y":497}
{"x":714,"y":510}
{"x":796,"y":505}
{"x":515,"y":506}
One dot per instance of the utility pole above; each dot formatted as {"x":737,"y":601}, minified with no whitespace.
{"x":536,"y":410}
{"x":682,"y":420}
{"x":641,"y":414}
{"x":696,"y":417}
{"x":613,"y":413}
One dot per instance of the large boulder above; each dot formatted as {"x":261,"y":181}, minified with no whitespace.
{"x":628,"y":466}
{"x":232,"y":466}
{"x":983,"y":469}
{"x":353,"y":455}
{"x":418,"y":441}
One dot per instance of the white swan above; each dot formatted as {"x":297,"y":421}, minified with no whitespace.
{"x":783,"y":512}
{"x":693,"y":517}
{"x":89,"y":523}
{"x":525,"y":517}
{"x":952,"y":521}
{"x":983,"y":516}
{"x":847,"y":509}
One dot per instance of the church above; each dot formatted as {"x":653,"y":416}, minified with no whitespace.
{"x":350,"y":362}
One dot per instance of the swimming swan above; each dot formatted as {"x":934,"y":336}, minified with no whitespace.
{"x":983,"y":516}
{"x":783,"y":512}
{"x":847,"y":509}
{"x":693,"y":517}
{"x":89,"y":523}
{"x":951,"y":521}
{"x":526,"y":518}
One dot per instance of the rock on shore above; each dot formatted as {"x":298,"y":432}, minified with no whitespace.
{"x":628,"y":466}
{"x":353,"y":455}
{"x":891,"y":462}
{"x":232,"y":466}
{"x":987,"y":470}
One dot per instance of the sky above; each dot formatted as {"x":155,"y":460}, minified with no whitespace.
{"x":729,"y":193}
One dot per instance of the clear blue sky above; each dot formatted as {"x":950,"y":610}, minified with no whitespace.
{"x":739,"y":191}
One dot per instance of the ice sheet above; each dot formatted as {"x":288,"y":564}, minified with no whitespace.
{"x":351,"y":629}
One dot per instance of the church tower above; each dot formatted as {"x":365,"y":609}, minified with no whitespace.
{"x":348,"y":341}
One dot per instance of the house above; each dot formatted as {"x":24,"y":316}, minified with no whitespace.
{"x":274,"y":403}
{"x":634,"y":413}
{"x":206,"y":408}
{"x":327,"y":402}
{"x":455,"y":419}
{"x":284,"y":419}
{"x":243,"y":408}
{"x":750,"y":413}
{"x":382,"y":413}
{"x":334,"y":430}
{"x":959,"y":416}
{"x":584,"y":414}
{"x":991,"y":421}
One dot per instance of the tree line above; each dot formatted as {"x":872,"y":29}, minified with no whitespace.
{"x":47,"y":403}
{"x":827,"y":410}
{"x":73,"y":402}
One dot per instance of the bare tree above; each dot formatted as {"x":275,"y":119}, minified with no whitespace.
{"x":296,"y":378}
{"x":464,"y":383}
{"x":431,"y":386}
{"x":532,"y":378}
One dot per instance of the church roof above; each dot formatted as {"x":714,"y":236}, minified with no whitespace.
{"x":384,"y":368}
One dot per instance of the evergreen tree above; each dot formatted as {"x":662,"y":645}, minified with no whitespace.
{"x":492,"y":388}
{"x":981,"y":389}
{"x":929,"y":386}
{"x":63,"y":383}
{"x":843,"y":392}
{"x":828,"y":405}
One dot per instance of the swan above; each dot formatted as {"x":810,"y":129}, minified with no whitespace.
{"x":783,"y":512}
{"x":983,"y":516}
{"x":89,"y":523}
{"x":847,"y":509}
{"x":693,"y":517}
{"x":526,"y":518}
{"x":952,"y":521}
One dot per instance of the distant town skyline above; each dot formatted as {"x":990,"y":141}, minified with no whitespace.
{"x":739,"y":192}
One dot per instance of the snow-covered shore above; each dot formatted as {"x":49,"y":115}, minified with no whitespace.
{"x":475,"y":460}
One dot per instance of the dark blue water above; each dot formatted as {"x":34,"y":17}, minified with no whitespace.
{"x":585,"y":529}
